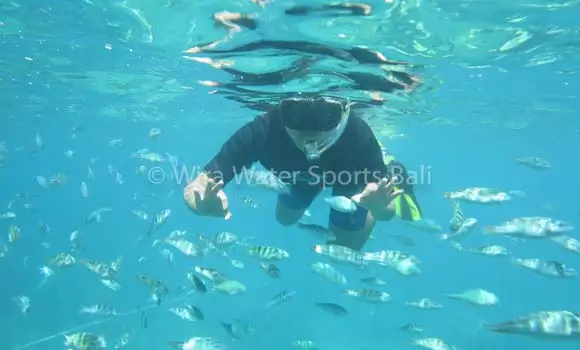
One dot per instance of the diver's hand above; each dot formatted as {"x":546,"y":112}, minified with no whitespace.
{"x":204,"y":196}
{"x":379,"y":198}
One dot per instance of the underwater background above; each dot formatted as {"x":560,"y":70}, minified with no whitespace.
{"x":83,"y":83}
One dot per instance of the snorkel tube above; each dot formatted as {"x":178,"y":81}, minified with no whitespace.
{"x":314,"y":149}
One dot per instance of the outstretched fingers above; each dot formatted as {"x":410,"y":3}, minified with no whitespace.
{"x":214,"y":187}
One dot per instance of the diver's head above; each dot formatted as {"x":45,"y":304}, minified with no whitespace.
{"x":314,"y":123}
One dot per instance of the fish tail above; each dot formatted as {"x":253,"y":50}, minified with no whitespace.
{"x":348,"y":292}
{"x":242,"y":244}
{"x":489,"y":230}
{"x":176,"y":344}
{"x":483,"y":324}
{"x":454,"y":296}
{"x":101,"y":342}
{"x":504,"y":327}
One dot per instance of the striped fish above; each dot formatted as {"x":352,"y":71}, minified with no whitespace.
{"x":341,"y":254}
{"x":329,"y":273}
{"x":268,"y":253}
{"x":281,"y":297}
{"x":184,"y":246}
{"x":457,"y":219}
{"x":158,"y":221}
{"x":369,"y":295}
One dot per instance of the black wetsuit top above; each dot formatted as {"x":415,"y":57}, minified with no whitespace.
{"x":265,"y":140}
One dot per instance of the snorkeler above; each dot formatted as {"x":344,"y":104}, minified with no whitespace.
{"x":323,"y":144}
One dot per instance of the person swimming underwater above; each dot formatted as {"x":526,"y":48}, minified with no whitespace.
{"x":323,"y":141}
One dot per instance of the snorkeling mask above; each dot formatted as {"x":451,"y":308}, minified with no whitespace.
{"x":323,"y":117}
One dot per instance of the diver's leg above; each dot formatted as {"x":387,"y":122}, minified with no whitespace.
{"x":351,"y":230}
{"x":291,"y":206}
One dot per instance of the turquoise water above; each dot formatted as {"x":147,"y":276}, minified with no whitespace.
{"x":81,"y":74}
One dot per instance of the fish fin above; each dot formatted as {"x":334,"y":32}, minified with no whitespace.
{"x":483,"y":324}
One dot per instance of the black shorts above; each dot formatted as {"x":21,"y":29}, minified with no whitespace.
{"x":301,"y":195}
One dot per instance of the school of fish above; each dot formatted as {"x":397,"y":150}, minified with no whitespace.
{"x":199,"y":279}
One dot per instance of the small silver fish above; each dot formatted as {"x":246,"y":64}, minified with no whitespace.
{"x":425,"y":303}
{"x":549,"y":324}
{"x":319,"y":230}
{"x":211,"y":274}
{"x":342,"y":204}
{"x":268,"y":253}
{"x":374,"y":281}
{"x":98,"y":309}
{"x":341,"y":254}
{"x":332,"y":308}
{"x":568,"y":243}
{"x":280,"y":298}
{"x":158,"y":221}
{"x":84,"y":190}
{"x":479,"y":297}
{"x":197,"y":283}
{"x":530,"y":227}
{"x":489,"y":250}
{"x":534,"y":162}
{"x":222,"y":241}
{"x":465,"y":227}
{"x":547,"y":268}
{"x":369,"y":295}
{"x":270,"y":269}
{"x":481,"y":195}
{"x":123,"y":340}
{"x":197,"y":343}
{"x":457,"y":219}
{"x":23,"y":303}
{"x":433,"y":344}
{"x":238,"y":329}
{"x":412,"y":328}
{"x":328,"y":272}
{"x":96,"y":215}
{"x":251,"y":203}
